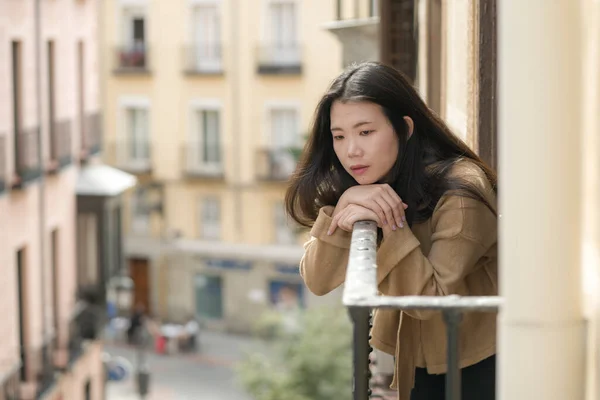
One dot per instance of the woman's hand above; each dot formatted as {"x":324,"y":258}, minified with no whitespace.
{"x":352,"y":213}
{"x":379,"y":198}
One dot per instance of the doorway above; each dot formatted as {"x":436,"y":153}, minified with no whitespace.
{"x":140,"y":274}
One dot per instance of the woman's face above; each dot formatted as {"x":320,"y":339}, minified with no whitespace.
{"x":363,"y":140}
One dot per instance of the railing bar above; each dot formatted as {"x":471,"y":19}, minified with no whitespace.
{"x":452,"y":318}
{"x":360,"y":355}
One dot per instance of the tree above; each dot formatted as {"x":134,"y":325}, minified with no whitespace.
{"x":313,"y":362}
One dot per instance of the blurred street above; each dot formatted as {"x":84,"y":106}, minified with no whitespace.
{"x":206,"y":375}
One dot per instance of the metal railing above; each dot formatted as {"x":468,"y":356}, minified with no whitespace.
{"x":27,"y":163}
{"x":46,"y":375}
{"x":131,"y":155}
{"x":60,"y":144}
{"x":132,"y":58}
{"x":91,"y":137}
{"x":276,"y":164}
{"x":195,"y":163}
{"x":37,"y":368}
{"x":279,"y":58}
{"x":203,"y":58}
{"x":10,"y":383}
{"x":84,"y":325}
{"x":361,"y":295}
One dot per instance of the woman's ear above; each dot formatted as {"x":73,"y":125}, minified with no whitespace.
{"x":411,"y":126}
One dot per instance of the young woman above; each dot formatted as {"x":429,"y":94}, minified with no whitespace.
{"x":376,"y":152}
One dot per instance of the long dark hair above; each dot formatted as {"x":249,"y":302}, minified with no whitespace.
{"x":420,"y":175}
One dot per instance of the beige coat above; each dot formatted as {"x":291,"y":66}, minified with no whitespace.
{"x":454,"y":252}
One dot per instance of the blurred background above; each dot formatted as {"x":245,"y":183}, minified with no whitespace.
{"x":145,"y":147}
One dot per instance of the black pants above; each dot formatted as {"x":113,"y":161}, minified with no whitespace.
{"x":478,"y":383}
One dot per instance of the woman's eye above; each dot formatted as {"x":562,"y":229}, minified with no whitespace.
{"x":338,"y":137}
{"x":365,"y":133}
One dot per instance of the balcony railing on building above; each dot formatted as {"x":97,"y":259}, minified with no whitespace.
{"x":276,"y":164}
{"x":3,"y":163}
{"x":91,"y":136}
{"x":133,"y":58}
{"x":11,"y":383}
{"x":61,"y":151}
{"x":38,"y":373}
{"x":131,"y":155}
{"x":361,"y":296}
{"x":83,"y":325}
{"x":27,"y":162}
{"x":279,"y":58}
{"x":201,"y":162}
{"x":203,"y":59}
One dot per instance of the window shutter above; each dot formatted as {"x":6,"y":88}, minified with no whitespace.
{"x":399,"y":36}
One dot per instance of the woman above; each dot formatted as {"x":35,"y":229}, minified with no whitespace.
{"x":376,"y":152}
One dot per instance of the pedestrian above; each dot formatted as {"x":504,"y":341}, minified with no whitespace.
{"x":377,"y":152}
{"x":136,"y":324}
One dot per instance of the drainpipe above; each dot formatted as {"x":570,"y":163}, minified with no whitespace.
{"x":42,"y":183}
{"x":236,"y":118}
{"x":540,"y":138}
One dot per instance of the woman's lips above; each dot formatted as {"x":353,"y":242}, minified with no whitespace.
{"x":359,"y":170}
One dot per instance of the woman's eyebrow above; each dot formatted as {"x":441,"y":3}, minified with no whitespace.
{"x":335,"y":128}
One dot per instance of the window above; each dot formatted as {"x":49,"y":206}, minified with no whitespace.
{"x":206,"y":28}
{"x":374,"y":8}
{"x":21,"y":296}
{"x":282,"y":32}
{"x":283,"y":137}
{"x":51,"y":97}
{"x":284,"y":233}
{"x":210,"y":214}
{"x":54,"y":260}
{"x":209,"y":296}
{"x":17,"y":83}
{"x":81,"y":94}
{"x":87,"y":391}
{"x":204,"y":150}
{"x":140,"y":216}
{"x":284,"y":128}
{"x":132,"y":53}
{"x":134,"y":27}
{"x":87,"y":249}
{"x":136,"y":133}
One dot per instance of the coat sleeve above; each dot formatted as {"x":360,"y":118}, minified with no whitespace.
{"x":323,"y":266}
{"x":463,"y":230}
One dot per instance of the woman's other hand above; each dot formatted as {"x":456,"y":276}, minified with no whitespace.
{"x":379,"y":198}
{"x":351,"y":214}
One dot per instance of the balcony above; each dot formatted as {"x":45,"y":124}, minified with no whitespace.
{"x":131,"y":155}
{"x":3,"y":163}
{"x":203,"y":59}
{"x":61,"y":153}
{"x":198,"y":164}
{"x":361,"y":296}
{"x":132,"y":59}
{"x":357,"y":28}
{"x":91,"y":135}
{"x":38,"y":374}
{"x":10,"y":383}
{"x":279,"y":59}
{"x":276,"y":164}
{"x":27,"y":163}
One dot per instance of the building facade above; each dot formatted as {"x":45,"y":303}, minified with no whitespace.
{"x":49,"y":132}
{"x":208,"y":103}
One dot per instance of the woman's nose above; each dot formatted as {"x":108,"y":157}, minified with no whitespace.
{"x":354,"y":149}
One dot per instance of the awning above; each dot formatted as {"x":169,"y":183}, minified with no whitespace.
{"x":103,"y":180}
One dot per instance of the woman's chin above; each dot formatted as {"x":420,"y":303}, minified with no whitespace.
{"x":365,"y":180}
